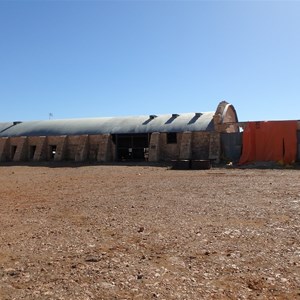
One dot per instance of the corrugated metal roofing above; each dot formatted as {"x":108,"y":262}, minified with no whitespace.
{"x":4,"y":126}
{"x":113,"y":125}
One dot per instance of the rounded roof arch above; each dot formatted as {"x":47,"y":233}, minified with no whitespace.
{"x":226,"y":114}
{"x":120,"y":125}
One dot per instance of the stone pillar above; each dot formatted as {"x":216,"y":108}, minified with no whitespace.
{"x":217,"y":118}
{"x":104,"y":150}
{"x":4,"y":148}
{"x":154,"y":147}
{"x":215,"y":146}
{"x":40,"y":153}
{"x":186,"y":145}
{"x":61,"y":148}
{"x":21,"y":153}
{"x":82,"y":149}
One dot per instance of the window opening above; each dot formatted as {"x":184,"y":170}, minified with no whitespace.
{"x":171,"y":138}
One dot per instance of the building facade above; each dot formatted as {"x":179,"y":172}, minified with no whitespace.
{"x":152,"y":138}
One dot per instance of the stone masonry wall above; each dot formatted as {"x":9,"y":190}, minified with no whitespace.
{"x":77,"y":148}
{"x":4,"y":149}
{"x":37,"y":148}
{"x":94,"y":141}
{"x":18,"y":148}
{"x":105,"y":149}
{"x":190,"y":145}
{"x":215,"y":146}
{"x":169,"y":151}
{"x":200,"y":145}
{"x":154,"y":147}
{"x":61,"y":144}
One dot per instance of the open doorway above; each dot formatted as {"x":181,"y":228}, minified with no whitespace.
{"x":13,"y":151}
{"x":132,"y":146}
{"x":32,"y":150}
{"x":52,"y":151}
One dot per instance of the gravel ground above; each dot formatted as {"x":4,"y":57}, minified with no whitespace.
{"x":148,"y":232}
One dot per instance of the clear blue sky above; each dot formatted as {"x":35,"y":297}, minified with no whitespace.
{"x":108,"y":58}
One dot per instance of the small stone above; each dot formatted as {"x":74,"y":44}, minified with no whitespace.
{"x":92,"y":259}
{"x":141,"y":229}
{"x":12,"y":272}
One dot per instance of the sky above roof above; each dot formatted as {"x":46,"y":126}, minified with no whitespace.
{"x":75,"y":59}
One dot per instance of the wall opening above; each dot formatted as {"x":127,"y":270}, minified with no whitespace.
{"x":131,"y":146}
{"x":32,"y":150}
{"x":171,"y":138}
{"x":53,"y":149}
{"x":13,"y":150}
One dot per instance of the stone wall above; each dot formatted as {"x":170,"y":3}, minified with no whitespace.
{"x":189,"y":145}
{"x":37,"y":148}
{"x":4,"y":149}
{"x":215,"y":146}
{"x":154,"y":147}
{"x":18,"y":148}
{"x":200,"y":145}
{"x":94,"y":141}
{"x":57,"y":148}
{"x":106,"y":152}
{"x":169,"y":151}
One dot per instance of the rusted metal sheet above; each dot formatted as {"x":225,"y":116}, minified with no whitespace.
{"x":298,"y":152}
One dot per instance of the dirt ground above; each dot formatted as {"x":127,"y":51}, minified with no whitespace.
{"x":148,"y":232}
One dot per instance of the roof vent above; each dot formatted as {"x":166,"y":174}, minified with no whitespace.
{"x":152,"y":117}
{"x":175,"y":115}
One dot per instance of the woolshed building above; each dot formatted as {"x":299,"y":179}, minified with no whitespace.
{"x":153,"y":138}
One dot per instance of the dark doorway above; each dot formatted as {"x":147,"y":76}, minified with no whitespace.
{"x":131,"y":146}
{"x":32,"y":152}
{"x":13,"y":151}
{"x":52,"y":151}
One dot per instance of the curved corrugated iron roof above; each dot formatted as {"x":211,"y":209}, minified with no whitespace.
{"x":113,"y":125}
{"x":5,"y":125}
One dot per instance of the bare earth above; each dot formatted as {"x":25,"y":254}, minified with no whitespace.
{"x":148,"y":232}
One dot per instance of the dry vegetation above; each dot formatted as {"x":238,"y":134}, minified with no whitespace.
{"x":146,"y":232}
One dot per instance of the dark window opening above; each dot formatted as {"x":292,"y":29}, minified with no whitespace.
{"x":172,"y":138}
{"x":32,"y":152}
{"x":13,"y":151}
{"x":113,"y":138}
{"x":52,"y":151}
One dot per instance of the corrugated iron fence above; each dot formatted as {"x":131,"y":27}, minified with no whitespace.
{"x":231,"y":146}
{"x":298,"y":152}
